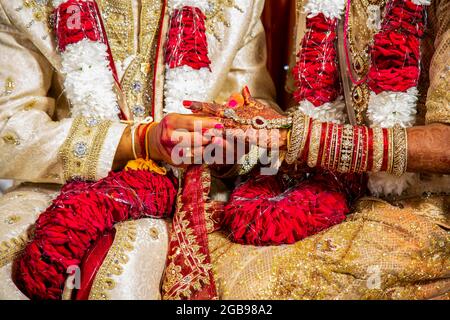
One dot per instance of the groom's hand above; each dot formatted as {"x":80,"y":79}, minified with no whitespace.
{"x":178,"y":138}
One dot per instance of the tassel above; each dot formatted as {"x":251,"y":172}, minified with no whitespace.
{"x":147,"y":165}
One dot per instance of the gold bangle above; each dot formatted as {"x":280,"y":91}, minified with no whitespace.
{"x":400,"y":152}
{"x":377,"y":149}
{"x":346,"y":154}
{"x":316,"y":133}
{"x":390,"y":150}
{"x":297,"y":137}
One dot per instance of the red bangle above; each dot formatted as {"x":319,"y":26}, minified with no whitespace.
{"x":142,"y":133}
{"x":385,"y":149}
{"x":322,"y":143}
{"x":370,"y":150}
{"x":304,"y":154}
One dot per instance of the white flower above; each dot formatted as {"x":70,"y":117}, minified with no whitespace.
{"x":178,"y":4}
{"x":88,"y":80}
{"x":330,"y":8}
{"x":185,"y":83}
{"x":57,"y":3}
{"x":382,"y":183}
{"x":421,"y":2}
{"x":328,"y":112}
{"x":390,"y":108}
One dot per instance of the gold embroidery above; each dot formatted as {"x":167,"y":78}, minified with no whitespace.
{"x":41,"y":12}
{"x":137,"y":81}
{"x":12,"y":219}
{"x":11,"y":138}
{"x":81,"y":150}
{"x":116,"y":257}
{"x":154,"y":233}
{"x":358,"y":39}
{"x":189,"y":246}
{"x":118,"y":18}
{"x":11,"y":249}
{"x":215,"y":15}
{"x":438,"y":102}
{"x":10,"y":85}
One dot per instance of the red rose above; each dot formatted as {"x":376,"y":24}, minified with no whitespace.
{"x":75,"y":21}
{"x":187,"y":43}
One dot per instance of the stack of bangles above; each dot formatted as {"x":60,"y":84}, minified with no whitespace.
{"x":141,"y":131}
{"x":346,"y":148}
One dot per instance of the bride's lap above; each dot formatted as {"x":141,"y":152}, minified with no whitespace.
{"x":380,"y":252}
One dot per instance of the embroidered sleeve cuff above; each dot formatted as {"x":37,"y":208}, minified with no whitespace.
{"x":108,"y":151}
{"x":88,"y":151}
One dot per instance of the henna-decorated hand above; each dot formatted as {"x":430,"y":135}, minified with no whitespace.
{"x":177,"y":130}
{"x":245,"y":117}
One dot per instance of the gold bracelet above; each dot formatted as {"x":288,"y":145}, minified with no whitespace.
{"x":316,"y":133}
{"x":377,"y":149}
{"x":297,"y":137}
{"x":390,"y":150}
{"x":346,"y":154}
{"x":400,"y":152}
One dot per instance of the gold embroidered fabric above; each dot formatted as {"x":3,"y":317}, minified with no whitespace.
{"x":140,"y":47}
{"x":380,"y":252}
{"x":438,"y":100}
{"x":117,"y":256}
{"x":81,"y":150}
{"x":141,"y":262}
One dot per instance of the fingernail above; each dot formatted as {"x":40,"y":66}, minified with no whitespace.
{"x":232,"y":103}
{"x":218,"y":141}
{"x":219,"y":126}
{"x":187,"y":103}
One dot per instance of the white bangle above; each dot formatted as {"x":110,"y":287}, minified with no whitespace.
{"x":133,"y":134}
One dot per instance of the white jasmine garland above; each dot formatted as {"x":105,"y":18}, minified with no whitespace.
{"x":385,"y":184}
{"x":330,"y":8}
{"x":178,"y":4}
{"x":421,"y":2}
{"x":88,"y":80}
{"x":389,"y":108}
{"x":57,"y":3}
{"x":328,"y":112}
{"x":184,"y":83}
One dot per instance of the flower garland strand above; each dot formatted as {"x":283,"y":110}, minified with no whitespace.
{"x":87,"y":63}
{"x":392,"y":79}
{"x":187,"y":63}
{"x":316,"y":72}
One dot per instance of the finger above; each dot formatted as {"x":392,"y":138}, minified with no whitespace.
{"x":189,"y":139}
{"x":196,"y":123}
{"x":213,"y":109}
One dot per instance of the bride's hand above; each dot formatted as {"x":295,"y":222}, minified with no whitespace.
{"x":245,"y":117}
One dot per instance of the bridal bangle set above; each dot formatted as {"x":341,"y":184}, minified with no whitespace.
{"x":347,"y":148}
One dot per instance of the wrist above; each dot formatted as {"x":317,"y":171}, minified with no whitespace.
{"x":152,"y":143}
{"x":124,"y":152}
{"x":284,"y":137}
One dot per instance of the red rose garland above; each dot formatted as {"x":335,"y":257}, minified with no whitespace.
{"x":187,"y":44}
{"x":316,"y":73}
{"x":263,"y":212}
{"x":79,"y":216}
{"x":395,"y":54}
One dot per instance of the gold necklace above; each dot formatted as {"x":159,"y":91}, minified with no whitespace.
{"x":358,"y":45}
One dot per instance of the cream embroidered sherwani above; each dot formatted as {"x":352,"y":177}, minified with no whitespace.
{"x":41,"y":146}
